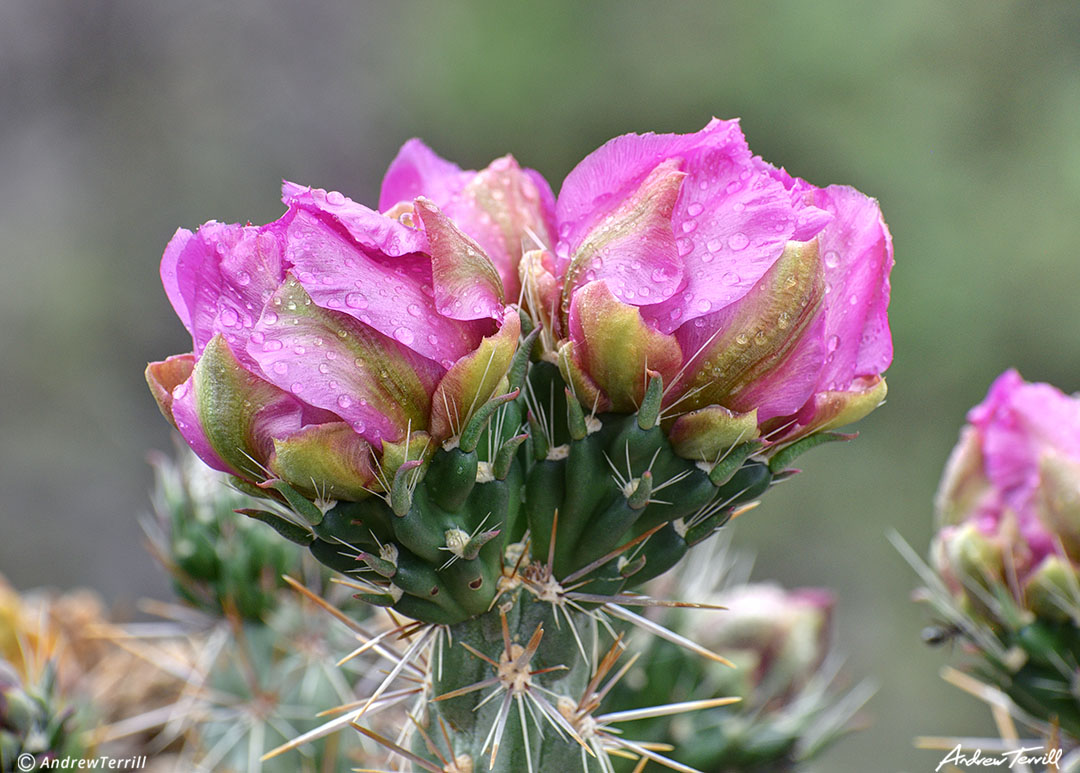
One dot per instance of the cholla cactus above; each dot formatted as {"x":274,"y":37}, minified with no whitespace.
{"x":217,"y":561}
{"x":363,"y":373}
{"x":789,"y":707}
{"x":38,"y":706}
{"x":1006,"y":552}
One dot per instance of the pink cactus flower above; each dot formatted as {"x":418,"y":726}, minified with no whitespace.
{"x":328,"y":337}
{"x":1009,"y":500}
{"x":758,"y":297}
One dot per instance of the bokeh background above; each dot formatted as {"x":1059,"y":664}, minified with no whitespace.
{"x":121,"y":120}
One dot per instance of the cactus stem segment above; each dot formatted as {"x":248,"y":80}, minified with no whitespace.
{"x":402,"y":489}
{"x":470,"y":436}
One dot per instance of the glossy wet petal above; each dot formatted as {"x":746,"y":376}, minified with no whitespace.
{"x":330,"y":360}
{"x":616,"y":347}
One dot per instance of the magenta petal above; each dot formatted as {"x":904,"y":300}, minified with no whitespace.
{"x":633,"y":249}
{"x":171,"y":276}
{"x":857,"y":252}
{"x":331,"y":361}
{"x":370,"y":229}
{"x":221,"y":276}
{"x":418,"y":171}
{"x":787,"y":388}
{"x":186,"y":417}
{"x":391,"y":295}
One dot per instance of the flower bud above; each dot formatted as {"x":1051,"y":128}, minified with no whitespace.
{"x":1010,"y":494}
{"x":743,"y":287}
{"x":323,"y":338}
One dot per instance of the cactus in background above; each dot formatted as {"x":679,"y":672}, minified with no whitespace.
{"x":790,"y":708}
{"x":688,"y":320}
{"x":1005,"y":581}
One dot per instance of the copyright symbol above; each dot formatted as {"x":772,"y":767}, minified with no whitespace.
{"x":26,"y":761}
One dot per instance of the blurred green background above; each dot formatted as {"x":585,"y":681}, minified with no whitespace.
{"x":121,"y":120}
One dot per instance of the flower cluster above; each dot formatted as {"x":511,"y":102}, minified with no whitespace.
{"x":337,"y":342}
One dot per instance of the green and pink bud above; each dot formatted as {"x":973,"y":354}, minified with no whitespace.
{"x":330,"y":336}
{"x":743,"y":288}
{"x":1008,"y":506}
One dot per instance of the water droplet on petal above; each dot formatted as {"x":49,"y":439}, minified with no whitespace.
{"x":676,"y":313}
{"x":853,"y":299}
{"x":243,"y":278}
{"x":703,"y":304}
{"x":433,"y":339}
{"x":742,"y":339}
{"x":833,"y":343}
{"x":733,"y":186}
{"x":229,"y":317}
{"x":281,"y":367}
{"x":694,"y":210}
{"x":272,"y":345}
{"x":331,"y":354}
{"x":738,"y":241}
{"x":832,"y":259}
{"x":685,"y":246}
{"x":714,"y":245}
{"x":344,"y":401}
{"x":299,"y":350}
{"x":414,"y":309}
{"x":296,"y":387}
{"x":335,"y":198}
{"x":270,"y":317}
{"x":356,"y":301}
{"x":731,"y":278}
{"x":324,"y":368}
{"x":688,"y":226}
{"x":258,"y":337}
{"x":404,"y":335}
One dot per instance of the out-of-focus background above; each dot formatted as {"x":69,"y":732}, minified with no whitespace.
{"x":121,"y":120}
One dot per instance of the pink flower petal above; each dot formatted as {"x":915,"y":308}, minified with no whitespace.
{"x":418,"y":171}
{"x":219,"y":278}
{"x":466,"y":284}
{"x":330,"y":360}
{"x":369,"y":229}
{"x":856,"y":248}
{"x":391,"y":295}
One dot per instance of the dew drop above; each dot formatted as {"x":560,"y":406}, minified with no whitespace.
{"x":243,"y":278}
{"x":703,"y":304}
{"x":688,"y":226}
{"x":760,"y":338}
{"x":324,"y":368}
{"x":742,"y":339}
{"x":344,"y":401}
{"x":833,"y":343}
{"x":404,"y":335}
{"x":731,"y":278}
{"x":359,"y":426}
{"x":270,"y":317}
{"x":229,"y":317}
{"x":296,"y":387}
{"x":733,"y":186}
{"x":331,"y":354}
{"x":335,"y":198}
{"x":676,"y":313}
{"x":356,"y":301}
{"x":258,"y":337}
{"x":272,"y":345}
{"x":783,"y":321}
{"x":414,"y":309}
{"x":738,"y":241}
{"x":299,"y":350}
{"x":433,"y":339}
{"x":281,"y":367}
{"x":685,"y":246}
{"x":853,"y":299}
{"x":832,"y":259}
{"x":714,"y":245}
{"x":694,"y":210}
